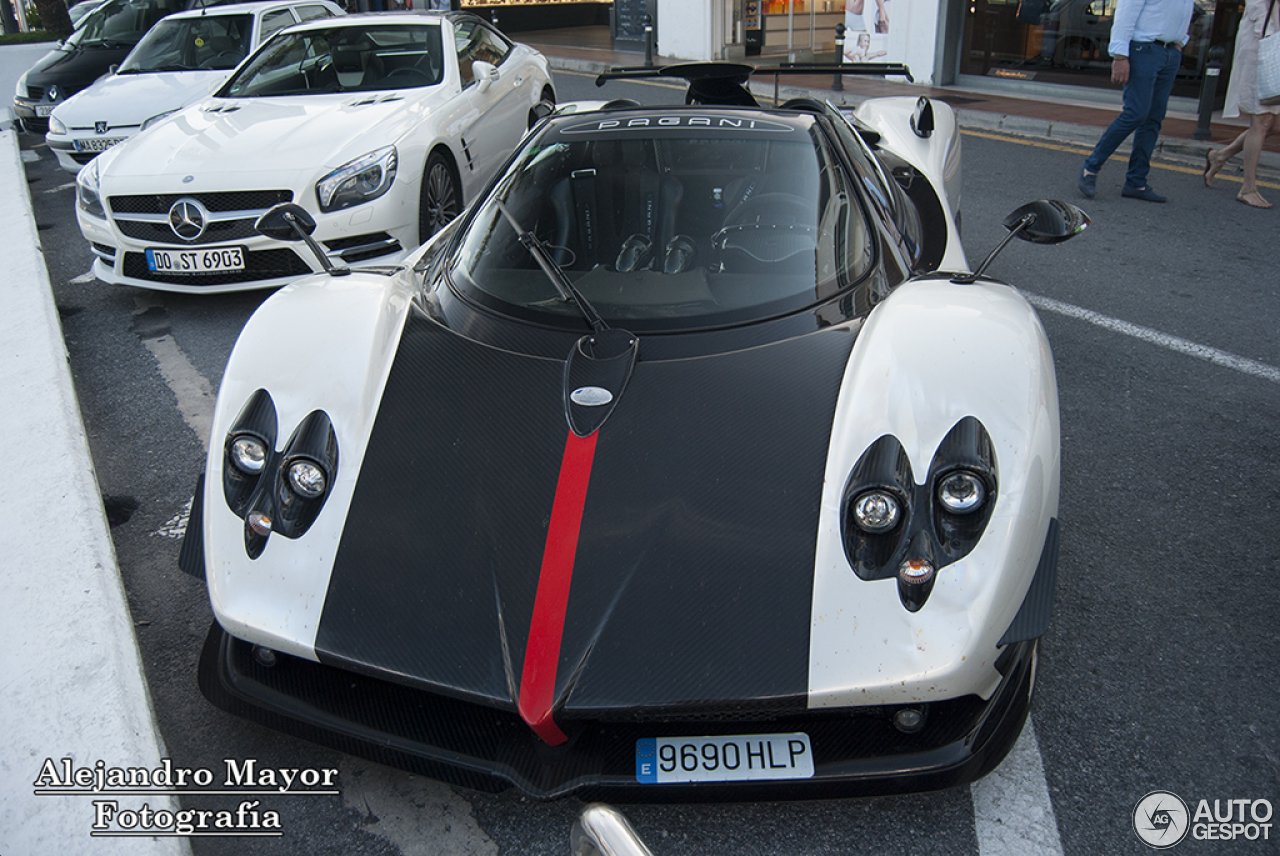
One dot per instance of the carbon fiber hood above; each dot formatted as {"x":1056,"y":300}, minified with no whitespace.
{"x":693,"y":576}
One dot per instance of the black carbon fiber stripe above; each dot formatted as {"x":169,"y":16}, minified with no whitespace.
{"x":440,"y":555}
{"x":693,"y":580}
{"x":694,"y":576}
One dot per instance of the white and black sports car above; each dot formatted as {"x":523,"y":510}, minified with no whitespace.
{"x":691,"y":461}
{"x":381,"y":126}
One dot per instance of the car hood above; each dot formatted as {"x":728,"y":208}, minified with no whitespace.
{"x":128,"y":100}
{"x":689,"y":576}
{"x":74,"y":68}
{"x":222,"y":137}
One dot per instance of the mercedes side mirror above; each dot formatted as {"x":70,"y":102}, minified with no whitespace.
{"x":485,"y":72}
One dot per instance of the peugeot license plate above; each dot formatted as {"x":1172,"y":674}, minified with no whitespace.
{"x":206,"y":260}
{"x":100,"y":144}
{"x":734,"y":758}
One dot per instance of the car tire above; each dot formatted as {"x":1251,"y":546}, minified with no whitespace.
{"x":441,"y":197}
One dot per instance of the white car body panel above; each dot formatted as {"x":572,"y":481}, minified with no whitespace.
{"x":895,"y":386}
{"x":937,"y":156}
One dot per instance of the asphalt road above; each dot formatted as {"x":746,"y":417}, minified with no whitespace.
{"x":1157,"y":671}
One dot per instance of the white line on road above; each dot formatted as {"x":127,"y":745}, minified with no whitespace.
{"x":1012,"y":812}
{"x":195,"y":395}
{"x":87,"y":276}
{"x":1155,"y":337}
{"x":69,"y":185}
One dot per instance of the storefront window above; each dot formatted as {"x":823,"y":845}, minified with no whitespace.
{"x":1065,"y":41}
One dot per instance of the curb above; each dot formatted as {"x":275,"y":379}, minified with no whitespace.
{"x":73,"y":681}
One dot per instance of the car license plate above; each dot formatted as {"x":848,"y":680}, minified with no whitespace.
{"x":735,"y":758}
{"x":207,"y":260}
{"x":96,"y":145}
{"x":43,"y":110}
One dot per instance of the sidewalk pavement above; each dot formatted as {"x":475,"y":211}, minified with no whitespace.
{"x":70,"y":669}
{"x":72,"y":675}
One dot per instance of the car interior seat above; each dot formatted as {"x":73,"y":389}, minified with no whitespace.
{"x":619,"y":210}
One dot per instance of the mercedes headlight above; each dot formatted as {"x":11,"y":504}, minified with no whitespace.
{"x":87,"y":191}
{"x":356,"y":181}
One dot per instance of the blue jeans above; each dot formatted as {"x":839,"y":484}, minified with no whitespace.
{"x":1152,"y":70}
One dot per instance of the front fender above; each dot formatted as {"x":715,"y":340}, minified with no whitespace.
{"x":931,"y":354}
{"x":323,"y":343}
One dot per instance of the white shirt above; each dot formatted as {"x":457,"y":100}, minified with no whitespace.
{"x":1147,"y":21}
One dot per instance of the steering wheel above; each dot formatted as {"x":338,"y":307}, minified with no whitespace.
{"x":769,"y":228}
{"x":409,"y":75}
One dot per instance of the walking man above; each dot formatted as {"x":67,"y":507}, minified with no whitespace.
{"x":1146,"y":51}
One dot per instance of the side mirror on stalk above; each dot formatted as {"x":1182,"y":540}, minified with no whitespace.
{"x":1045,"y":221}
{"x":291,"y":222}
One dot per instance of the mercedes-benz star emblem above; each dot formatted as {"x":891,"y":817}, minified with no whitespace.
{"x":187,"y":219}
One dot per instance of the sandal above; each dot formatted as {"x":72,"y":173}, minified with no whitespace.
{"x":1211,"y":167}
{"x":1252,"y":198}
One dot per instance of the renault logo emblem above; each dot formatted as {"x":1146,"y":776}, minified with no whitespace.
{"x":99,"y":127}
{"x":187,"y":219}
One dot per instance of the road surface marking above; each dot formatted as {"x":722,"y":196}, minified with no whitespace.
{"x":1012,"y":812}
{"x":1155,"y":337}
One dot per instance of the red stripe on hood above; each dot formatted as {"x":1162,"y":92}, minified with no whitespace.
{"x":542,"y":654}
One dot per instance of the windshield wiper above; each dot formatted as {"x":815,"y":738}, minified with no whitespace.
{"x":600,"y":363}
{"x":554,"y":272}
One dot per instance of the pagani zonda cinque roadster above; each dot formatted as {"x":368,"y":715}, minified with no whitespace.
{"x":691,"y":462}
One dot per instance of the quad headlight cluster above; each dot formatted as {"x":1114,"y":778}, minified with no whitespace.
{"x":277,"y":491}
{"x":896,"y":528}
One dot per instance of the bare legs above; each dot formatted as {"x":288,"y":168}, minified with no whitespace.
{"x":1249,"y":143}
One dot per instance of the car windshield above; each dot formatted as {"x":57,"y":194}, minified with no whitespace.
{"x":121,"y":23}
{"x":183,"y":44}
{"x":343,"y":59}
{"x":670,"y":222}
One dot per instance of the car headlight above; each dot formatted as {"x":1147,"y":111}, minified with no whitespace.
{"x":356,"y":181}
{"x":307,"y":479}
{"x":56,"y":126}
{"x":962,"y":492}
{"x":156,"y":118}
{"x":87,"y":191}
{"x":248,"y":454}
{"x":876,"y":511}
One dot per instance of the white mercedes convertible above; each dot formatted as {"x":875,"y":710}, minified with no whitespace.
{"x":380,"y":126}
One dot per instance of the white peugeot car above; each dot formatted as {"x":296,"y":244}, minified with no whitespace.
{"x":174,"y":65}
{"x":380,"y":126}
